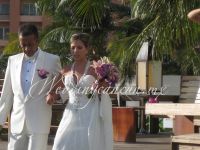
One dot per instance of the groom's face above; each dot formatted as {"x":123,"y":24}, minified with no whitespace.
{"x":28,"y":44}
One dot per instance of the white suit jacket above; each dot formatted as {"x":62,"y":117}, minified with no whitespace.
{"x":31,"y":109}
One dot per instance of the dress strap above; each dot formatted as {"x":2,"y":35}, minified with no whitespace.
{"x":86,"y":67}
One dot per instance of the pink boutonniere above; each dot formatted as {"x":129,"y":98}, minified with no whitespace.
{"x":42,"y":73}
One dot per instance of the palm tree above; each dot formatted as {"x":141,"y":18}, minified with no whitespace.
{"x":70,"y":16}
{"x":172,"y":34}
{"x":165,"y":22}
{"x":74,"y":16}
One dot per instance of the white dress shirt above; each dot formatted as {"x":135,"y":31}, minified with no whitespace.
{"x":28,"y":67}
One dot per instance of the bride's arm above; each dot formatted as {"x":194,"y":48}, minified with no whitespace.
{"x":58,"y":85}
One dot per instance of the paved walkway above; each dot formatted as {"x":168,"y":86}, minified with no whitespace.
{"x":144,"y":142}
{"x":3,"y":145}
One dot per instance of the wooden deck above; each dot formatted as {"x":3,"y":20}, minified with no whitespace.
{"x":146,"y":142}
{"x":143,"y":142}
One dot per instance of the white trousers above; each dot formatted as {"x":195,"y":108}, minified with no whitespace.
{"x":27,"y":141}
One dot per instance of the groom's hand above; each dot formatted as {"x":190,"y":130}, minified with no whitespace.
{"x":1,"y":127}
{"x":50,"y":99}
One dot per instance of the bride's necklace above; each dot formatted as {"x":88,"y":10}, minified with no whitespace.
{"x":75,"y":76}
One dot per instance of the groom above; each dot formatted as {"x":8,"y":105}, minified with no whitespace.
{"x":27,"y":81}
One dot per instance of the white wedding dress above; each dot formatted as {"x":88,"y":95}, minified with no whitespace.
{"x":86,"y":124}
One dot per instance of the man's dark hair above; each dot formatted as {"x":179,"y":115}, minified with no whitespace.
{"x":28,"y":29}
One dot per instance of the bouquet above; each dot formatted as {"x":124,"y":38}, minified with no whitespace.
{"x":106,"y":71}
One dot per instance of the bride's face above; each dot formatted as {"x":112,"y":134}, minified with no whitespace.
{"x":78,"y":50}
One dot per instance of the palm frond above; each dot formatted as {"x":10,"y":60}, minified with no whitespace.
{"x":86,"y":13}
{"x":168,"y":27}
{"x":13,"y":45}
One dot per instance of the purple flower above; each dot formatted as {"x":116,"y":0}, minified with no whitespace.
{"x":107,"y":71}
{"x":42,"y":73}
{"x":152,"y":100}
{"x":103,"y":70}
{"x":113,"y":75}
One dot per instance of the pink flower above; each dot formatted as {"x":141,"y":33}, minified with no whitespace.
{"x":42,"y":73}
{"x":153,"y":100}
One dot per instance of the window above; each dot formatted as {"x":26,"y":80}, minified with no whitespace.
{"x":29,"y":9}
{"x":4,"y":9}
{"x":4,"y":33}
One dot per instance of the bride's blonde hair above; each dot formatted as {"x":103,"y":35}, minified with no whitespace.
{"x":83,"y":37}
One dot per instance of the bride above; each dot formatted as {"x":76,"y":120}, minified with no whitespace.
{"x":87,"y":122}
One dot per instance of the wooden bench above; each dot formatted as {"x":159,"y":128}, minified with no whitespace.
{"x":190,"y":93}
{"x":186,"y":142}
{"x":185,"y":139}
{"x":185,"y":114}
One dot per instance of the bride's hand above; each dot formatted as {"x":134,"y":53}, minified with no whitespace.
{"x":101,"y":85}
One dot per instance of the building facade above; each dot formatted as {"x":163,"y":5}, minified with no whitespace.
{"x":14,"y":13}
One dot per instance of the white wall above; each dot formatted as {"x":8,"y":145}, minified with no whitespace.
{"x":173,"y":84}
